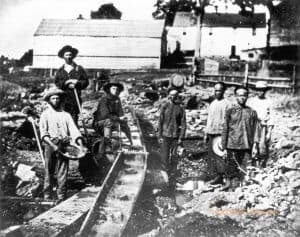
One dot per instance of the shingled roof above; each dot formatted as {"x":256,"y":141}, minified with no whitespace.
{"x":186,"y":19}
{"x":100,"y":28}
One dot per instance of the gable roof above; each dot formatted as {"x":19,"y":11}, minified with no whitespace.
{"x":186,"y":19}
{"x":100,"y":28}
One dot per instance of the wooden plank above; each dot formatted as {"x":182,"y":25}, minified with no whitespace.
{"x":101,"y":195}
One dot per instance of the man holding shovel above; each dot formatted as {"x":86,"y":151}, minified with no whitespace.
{"x":57,"y":129}
{"x":71,"y":78}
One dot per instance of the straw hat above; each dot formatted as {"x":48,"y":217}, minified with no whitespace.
{"x":261,"y":85}
{"x":53,"y":91}
{"x":216,"y":146}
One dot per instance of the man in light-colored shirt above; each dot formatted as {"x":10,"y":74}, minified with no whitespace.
{"x":262,"y":106}
{"x":214,"y":127}
{"x":57,"y":128}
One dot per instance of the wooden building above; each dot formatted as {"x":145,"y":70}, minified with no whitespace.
{"x":102,"y":44}
{"x":223,"y":34}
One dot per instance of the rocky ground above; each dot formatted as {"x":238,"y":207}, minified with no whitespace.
{"x":267,"y":206}
{"x":268,"y":202}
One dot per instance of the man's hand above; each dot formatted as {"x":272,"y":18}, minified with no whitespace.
{"x":71,"y":83}
{"x":254,"y":151}
{"x":54,"y":147}
{"x":71,"y":86}
{"x":179,"y":142}
{"x":225,"y":155}
{"x":123,"y":118}
{"x":205,"y":138}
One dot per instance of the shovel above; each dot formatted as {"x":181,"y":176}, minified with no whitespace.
{"x":80,"y":109}
{"x":37,"y":140}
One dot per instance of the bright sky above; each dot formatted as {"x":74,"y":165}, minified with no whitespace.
{"x":20,"y":18}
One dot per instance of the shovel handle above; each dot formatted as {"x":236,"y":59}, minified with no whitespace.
{"x":37,"y":140}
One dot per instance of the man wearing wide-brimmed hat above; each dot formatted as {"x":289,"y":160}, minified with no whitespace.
{"x":263,"y":106}
{"x":109,"y":115}
{"x":71,"y":77}
{"x":57,"y":127}
{"x":171,"y":130}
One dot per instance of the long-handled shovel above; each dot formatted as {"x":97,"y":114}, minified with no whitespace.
{"x":37,"y":140}
{"x":80,"y":110}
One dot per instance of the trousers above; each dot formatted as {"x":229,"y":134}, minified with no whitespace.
{"x":56,"y":169}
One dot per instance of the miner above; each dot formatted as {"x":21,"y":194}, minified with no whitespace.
{"x":262,"y":105}
{"x":171,"y":128}
{"x":109,"y":116}
{"x":214,"y":127}
{"x":239,"y":138}
{"x":57,"y":127}
{"x":71,"y":78}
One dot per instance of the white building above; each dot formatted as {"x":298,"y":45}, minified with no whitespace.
{"x":102,"y":44}
{"x":222,"y":33}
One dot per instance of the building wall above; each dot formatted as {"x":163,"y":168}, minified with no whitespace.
{"x":217,"y":41}
{"x":99,"y":52}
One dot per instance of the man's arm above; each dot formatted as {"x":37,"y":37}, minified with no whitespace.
{"x":44,"y":128}
{"x":60,"y":80}
{"x":83,"y":81}
{"x":183,"y":125}
{"x":225,"y":129}
{"x":161,"y":120}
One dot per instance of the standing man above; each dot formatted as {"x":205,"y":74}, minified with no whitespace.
{"x":214,"y":127}
{"x":239,"y":137}
{"x":171,"y":128}
{"x":262,"y":106}
{"x":70,"y":78}
{"x":57,"y":128}
{"x":109,"y":115}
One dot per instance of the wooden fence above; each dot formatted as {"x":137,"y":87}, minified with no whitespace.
{"x":283,"y":83}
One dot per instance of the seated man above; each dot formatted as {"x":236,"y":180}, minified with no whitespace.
{"x":109,"y":115}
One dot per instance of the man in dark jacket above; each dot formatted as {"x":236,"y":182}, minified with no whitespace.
{"x":171,"y":128}
{"x":240,"y":137}
{"x":109,"y":115}
{"x":71,"y":77}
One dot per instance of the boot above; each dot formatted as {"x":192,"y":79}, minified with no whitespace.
{"x":216,"y":180}
{"x":227,"y":185}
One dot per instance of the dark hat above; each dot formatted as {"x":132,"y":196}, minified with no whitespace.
{"x":53,"y":91}
{"x":108,"y":85}
{"x":67,"y":48}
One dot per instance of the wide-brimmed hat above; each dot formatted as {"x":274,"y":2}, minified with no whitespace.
{"x":173,"y":91}
{"x":53,"y":91}
{"x":216,"y":146}
{"x":67,"y":48}
{"x":108,"y":85}
{"x":261,"y":85}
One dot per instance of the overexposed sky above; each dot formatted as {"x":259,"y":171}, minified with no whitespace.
{"x":20,"y":18}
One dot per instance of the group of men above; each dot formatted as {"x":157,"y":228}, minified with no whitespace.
{"x":244,"y":131}
{"x":58,"y":123}
{"x":238,"y":133}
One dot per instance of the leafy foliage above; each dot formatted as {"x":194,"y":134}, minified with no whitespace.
{"x":106,"y":11}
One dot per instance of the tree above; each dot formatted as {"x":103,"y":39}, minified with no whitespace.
{"x":106,"y":11}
